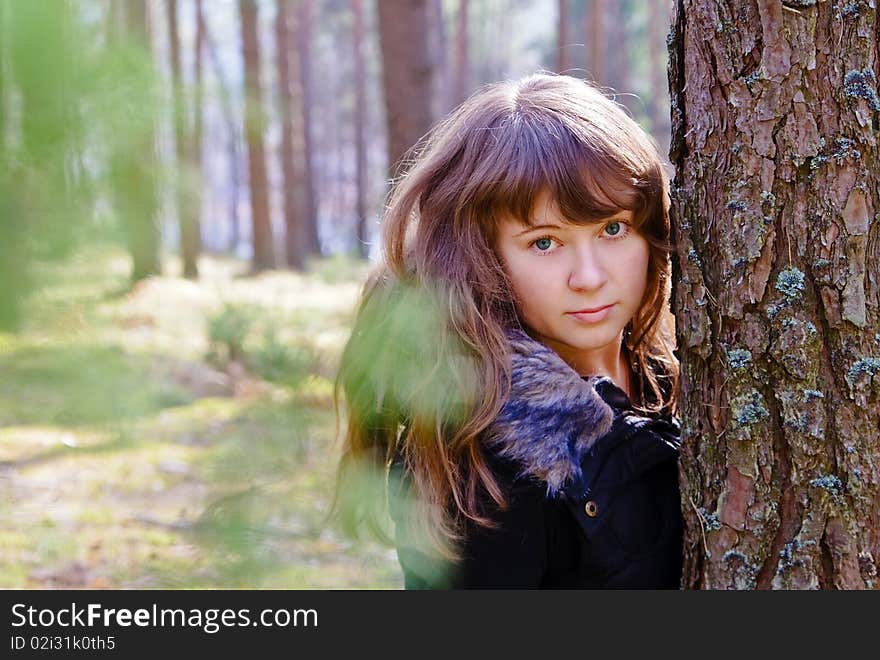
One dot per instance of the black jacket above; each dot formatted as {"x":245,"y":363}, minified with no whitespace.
{"x":592,"y":490}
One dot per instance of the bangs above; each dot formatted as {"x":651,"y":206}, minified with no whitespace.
{"x":588,"y":176}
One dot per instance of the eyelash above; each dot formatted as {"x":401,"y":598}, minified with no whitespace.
{"x":622,"y":234}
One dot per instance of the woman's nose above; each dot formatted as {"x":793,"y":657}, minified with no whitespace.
{"x":588,"y":272}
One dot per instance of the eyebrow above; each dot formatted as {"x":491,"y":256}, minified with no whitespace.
{"x":535,"y":227}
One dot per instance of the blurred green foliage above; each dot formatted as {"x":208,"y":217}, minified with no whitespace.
{"x":227,"y":331}
{"x":78,"y":104}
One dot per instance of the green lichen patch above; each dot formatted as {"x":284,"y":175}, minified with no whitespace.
{"x":869,"y":366}
{"x":749,"y":409}
{"x":711,"y":521}
{"x":739,"y":358}
{"x":788,"y":558}
{"x":830,"y":483}
{"x":792,"y":323}
{"x":862,"y":85}
{"x":767,"y":197}
{"x":790,"y":283}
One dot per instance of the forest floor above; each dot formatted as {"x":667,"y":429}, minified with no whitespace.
{"x":136,"y":453}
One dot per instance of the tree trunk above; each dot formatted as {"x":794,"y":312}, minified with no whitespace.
{"x":135,"y":174}
{"x":658,"y":95}
{"x":360,"y":140}
{"x":595,"y":31}
{"x":183,"y":183}
{"x":232,"y":131}
{"x":290,"y":96}
{"x":617,"y":54}
{"x":462,"y":82}
{"x":441,"y":94}
{"x":406,"y":75}
{"x":775,"y":113}
{"x":195,"y":149}
{"x":304,"y":42}
{"x":254,"y":126}
{"x":563,"y":61}
{"x":14,"y":279}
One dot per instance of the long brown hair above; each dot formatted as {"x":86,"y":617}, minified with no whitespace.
{"x":426,"y":369}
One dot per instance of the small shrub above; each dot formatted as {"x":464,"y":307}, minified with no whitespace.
{"x":227,"y":331}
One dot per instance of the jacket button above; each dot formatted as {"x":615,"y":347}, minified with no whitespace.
{"x":591,"y":508}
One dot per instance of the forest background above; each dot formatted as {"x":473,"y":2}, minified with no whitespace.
{"x":190,"y":194}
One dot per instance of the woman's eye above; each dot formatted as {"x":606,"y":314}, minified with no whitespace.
{"x":544,"y":244}
{"x":615,"y":229}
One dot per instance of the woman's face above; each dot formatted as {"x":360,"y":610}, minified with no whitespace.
{"x":562,"y":273}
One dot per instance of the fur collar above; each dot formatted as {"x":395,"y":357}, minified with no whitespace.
{"x":552,"y":416}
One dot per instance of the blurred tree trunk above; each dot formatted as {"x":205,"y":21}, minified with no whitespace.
{"x":13,"y":268}
{"x":290,"y":98}
{"x":406,"y":75}
{"x":777,"y":294}
{"x":618,"y":59}
{"x":595,"y":31}
{"x":442,"y":92}
{"x":658,"y":96}
{"x":232,"y":131}
{"x":136,"y":172}
{"x":184,"y":182}
{"x":462,"y":79}
{"x":198,"y":111}
{"x":563,"y":61}
{"x":360,"y":140}
{"x":254,"y":126}
{"x":312,"y":241}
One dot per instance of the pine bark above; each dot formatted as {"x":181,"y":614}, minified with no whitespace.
{"x":406,"y":75}
{"x":777,"y":291}
{"x":254,"y":130}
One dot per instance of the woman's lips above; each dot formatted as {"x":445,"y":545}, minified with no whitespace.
{"x":594,"y":316}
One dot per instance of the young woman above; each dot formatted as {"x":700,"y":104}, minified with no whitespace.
{"x":510,"y":376}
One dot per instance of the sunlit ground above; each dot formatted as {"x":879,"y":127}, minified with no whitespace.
{"x":134,"y":453}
